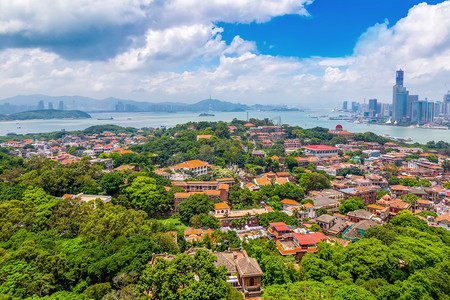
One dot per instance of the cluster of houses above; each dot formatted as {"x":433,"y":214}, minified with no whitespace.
{"x":322,"y":209}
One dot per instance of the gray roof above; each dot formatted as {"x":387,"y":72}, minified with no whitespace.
{"x":366,"y":224}
{"x":325,"y":218}
{"x":338,"y":226}
{"x":363,"y":225}
{"x":360,"y":213}
{"x":248,"y":266}
{"x":321,"y":201}
{"x":348,"y":190}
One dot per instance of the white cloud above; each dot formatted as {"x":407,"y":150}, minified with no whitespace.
{"x":154,"y":67}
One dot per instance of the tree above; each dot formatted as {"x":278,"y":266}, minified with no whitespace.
{"x":315,"y":228}
{"x":107,"y":222}
{"x":394,"y":181}
{"x":111,"y":182}
{"x":313,"y":181}
{"x":410,"y":198}
{"x":193,"y":205}
{"x":351,"y":204}
{"x":146,"y":195}
{"x":321,"y":211}
{"x":447,"y":185}
{"x":290,"y":162}
{"x":97,"y":291}
{"x":305,"y":290}
{"x":446,"y":165}
{"x":351,"y":170}
{"x":352,"y":292}
{"x":275,"y":203}
{"x":174,"y":279}
{"x":272,"y":217}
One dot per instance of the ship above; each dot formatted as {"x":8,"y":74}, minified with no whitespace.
{"x":105,"y":119}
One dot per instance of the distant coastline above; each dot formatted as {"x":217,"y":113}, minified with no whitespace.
{"x":45,"y":115}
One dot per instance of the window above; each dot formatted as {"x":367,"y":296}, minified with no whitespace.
{"x":252,"y":281}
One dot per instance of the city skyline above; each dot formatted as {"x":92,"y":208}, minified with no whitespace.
{"x":302,"y":52}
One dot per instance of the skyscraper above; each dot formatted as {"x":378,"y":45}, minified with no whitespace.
{"x":345,"y":105}
{"x":40,"y":105}
{"x":399,"y":77}
{"x":355,"y":106}
{"x":399,"y":98}
{"x":50,"y":105}
{"x":61,"y":105}
{"x":372,"y":107}
{"x":409,"y":101}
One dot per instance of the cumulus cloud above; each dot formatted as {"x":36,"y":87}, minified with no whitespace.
{"x":99,"y":30}
{"x":182,"y":56}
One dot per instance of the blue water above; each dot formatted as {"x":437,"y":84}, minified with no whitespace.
{"x":149,"y":119}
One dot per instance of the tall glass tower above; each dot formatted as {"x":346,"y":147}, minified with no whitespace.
{"x":399,"y":98}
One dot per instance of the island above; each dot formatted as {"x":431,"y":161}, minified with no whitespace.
{"x":45,"y":115}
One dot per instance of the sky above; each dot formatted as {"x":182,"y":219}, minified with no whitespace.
{"x":311,"y":53}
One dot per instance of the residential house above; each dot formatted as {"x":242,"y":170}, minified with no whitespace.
{"x":355,"y":231}
{"x":359,"y":215}
{"x":196,"y":167}
{"x":368,"y":194}
{"x":243,"y":271}
{"x":298,"y":244}
{"x":444,"y":221}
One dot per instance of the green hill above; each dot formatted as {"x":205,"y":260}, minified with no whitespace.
{"x":45,"y":115}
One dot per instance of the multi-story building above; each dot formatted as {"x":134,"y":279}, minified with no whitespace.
{"x":196,"y":167}
{"x":368,"y":194}
{"x":321,"y":150}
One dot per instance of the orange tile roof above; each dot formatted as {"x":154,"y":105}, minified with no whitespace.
{"x":193,"y":232}
{"x":221,"y":205}
{"x":289,"y":202}
{"x":281,"y":180}
{"x":263,"y":181}
{"x":308,"y":205}
{"x":193,"y":164}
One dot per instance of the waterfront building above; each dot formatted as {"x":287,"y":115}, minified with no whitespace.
{"x":345,"y":105}
{"x":400,"y":98}
{"x":372,"y":107}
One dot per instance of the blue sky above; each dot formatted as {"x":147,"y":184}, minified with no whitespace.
{"x":331,"y":30}
{"x":297,"y":52}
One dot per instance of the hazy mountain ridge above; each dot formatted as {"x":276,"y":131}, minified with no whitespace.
{"x":21,"y":103}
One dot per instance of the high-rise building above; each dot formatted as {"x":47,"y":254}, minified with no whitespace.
{"x":446,"y":104}
{"x":424,"y":111}
{"x":399,"y":98}
{"x":409,"y":101}
{"x":40,"y":105}
{"x":399,"y":77}
{"x":50,"y":105}
{"x":61,"y":105}
{"x":355,"y":106}
{"x":372,"y":107}
{"x":120,"y":106}
{"x":345,"y":105}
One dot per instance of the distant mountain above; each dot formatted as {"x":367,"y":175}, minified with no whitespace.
{"x":45,"y":115}
{"x":32,"y":102}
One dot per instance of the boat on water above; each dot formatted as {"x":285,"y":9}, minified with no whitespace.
{"x":104,"y":119}
{"x":399,"y":139}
